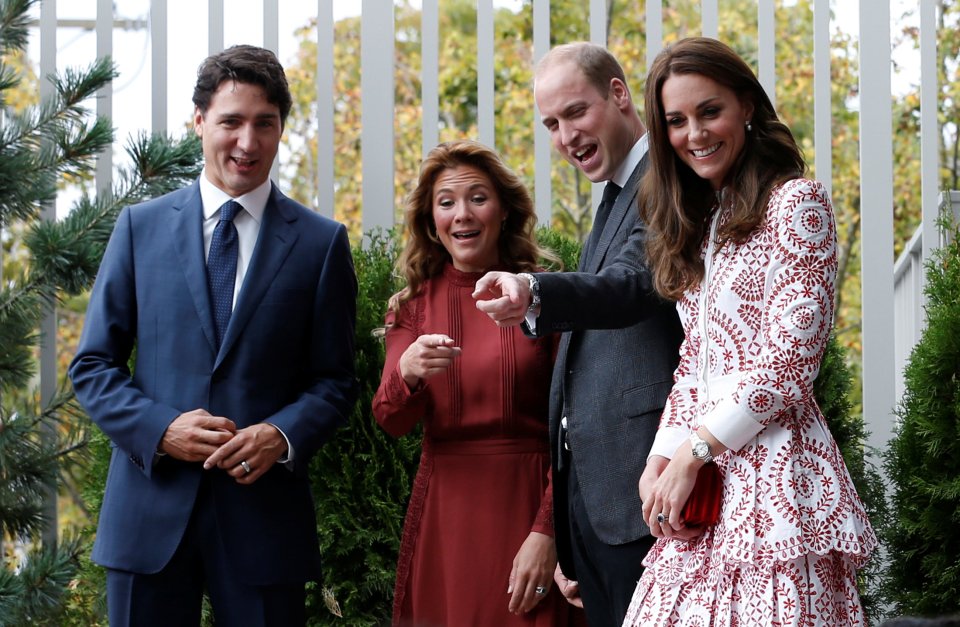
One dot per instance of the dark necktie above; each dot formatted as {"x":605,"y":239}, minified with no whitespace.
{"x":610,"y":192}
{"x":222,"y":266}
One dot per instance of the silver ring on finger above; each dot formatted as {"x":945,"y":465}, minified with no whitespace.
{"x":541,"y":590}
{"x":246,"y":467}
{"x":661,"y":518}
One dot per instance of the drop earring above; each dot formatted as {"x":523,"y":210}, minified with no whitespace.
{"x":749,"y":126}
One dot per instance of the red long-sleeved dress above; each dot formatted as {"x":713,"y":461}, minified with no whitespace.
{"x":483,"y":481}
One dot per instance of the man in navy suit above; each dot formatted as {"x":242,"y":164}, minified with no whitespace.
{"x":620,"y":344}
{"x":240,"y":304}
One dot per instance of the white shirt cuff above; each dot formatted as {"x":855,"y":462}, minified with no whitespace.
{"x":287,"y":460}
{"x":667,"y":442}
{"x":531,"y":319}
{"x":731,"y":425}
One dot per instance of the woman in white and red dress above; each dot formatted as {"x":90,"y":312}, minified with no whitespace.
{"x":748,"y":247}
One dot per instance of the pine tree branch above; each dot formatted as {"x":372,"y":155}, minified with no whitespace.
{"x":35,"y":596}
{"x":51,"y":140}
{"x":14,"y":24}
{"x":67,"y":253}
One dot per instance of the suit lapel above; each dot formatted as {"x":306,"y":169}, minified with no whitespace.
{"x":276,"y":240}
{"x":188,"y":240}
{"x":626,"y":201}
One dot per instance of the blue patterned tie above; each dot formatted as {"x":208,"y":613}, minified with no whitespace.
{"x":222,"y":266}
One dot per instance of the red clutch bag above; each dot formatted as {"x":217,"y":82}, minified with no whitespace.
{"x":702,"y":508}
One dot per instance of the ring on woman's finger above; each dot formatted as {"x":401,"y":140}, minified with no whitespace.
{"x":661,"y":518}
{"x":541,"y":590}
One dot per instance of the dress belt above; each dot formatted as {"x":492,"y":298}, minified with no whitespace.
{"x":488,"y":447}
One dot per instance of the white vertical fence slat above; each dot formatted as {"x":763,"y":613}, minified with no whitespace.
{"x":326,"y":193}
{"x":377,"y":94}
{"x":104,"y":30}
{"x":542,"y":187}
{"x":271,"y":25}
{"x":598,"y":22}
{"x":430,"y":74}
{"x":710,"y":17}
{"x":654,"y":36}
{"x":876,"y":209}
{"x":214,"y":26}
{"x":48,"y":326}
{"x":598,"y":35}
{"x":158,"y":67}
{"x":929,"y":129}
{"x":271,"y":41}
{"x":822,"y":112}
{"x":908,"y":282}
{"x":766,"y":44}
{"x":485,"y":102}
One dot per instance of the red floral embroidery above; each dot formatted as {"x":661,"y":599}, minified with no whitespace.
{"x":792,"y":529}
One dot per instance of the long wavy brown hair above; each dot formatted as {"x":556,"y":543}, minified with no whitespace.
{"x":424,"y":256}
{"x":677,"y":204}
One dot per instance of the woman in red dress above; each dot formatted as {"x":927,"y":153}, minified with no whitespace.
{"x":477,"y":545}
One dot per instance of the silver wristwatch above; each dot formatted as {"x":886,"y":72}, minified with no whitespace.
{"x":700,"y":448}
{"x":534,"y":291}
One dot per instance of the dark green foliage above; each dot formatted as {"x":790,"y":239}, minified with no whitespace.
{"x":923,"y":460}
{"x":34,"y":596}
{"x":832,"y":390}
{"x":66,"y":253}
{"x":563,"y":246}
{"x":362,"y":479}
{"x":52,"y":140}
{"x":29,"y":461}
{"x":14,"y":25}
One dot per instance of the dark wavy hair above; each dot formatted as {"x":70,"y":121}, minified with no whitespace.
{"x":424,"y":256}
{"x":244,"y":64}
{"x":675,"y":203}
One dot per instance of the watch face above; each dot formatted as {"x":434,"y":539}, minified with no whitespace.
{"x":701,"y":450}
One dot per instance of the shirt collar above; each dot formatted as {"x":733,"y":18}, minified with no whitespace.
{"x":254,"y":201}
{"x":629,"y":164}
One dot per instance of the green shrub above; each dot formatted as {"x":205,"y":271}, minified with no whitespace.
{"x":832,"y":390}
{"x":362,"y":478}
{"x":923,"y":459}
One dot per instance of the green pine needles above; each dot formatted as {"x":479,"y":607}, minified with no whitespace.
{"x":43,"y":446}
{"x":923,"y":461}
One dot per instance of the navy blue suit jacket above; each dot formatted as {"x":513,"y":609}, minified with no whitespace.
{"x":286,"y":358}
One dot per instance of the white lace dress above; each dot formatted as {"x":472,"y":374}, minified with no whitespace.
{"x":792,"y":529}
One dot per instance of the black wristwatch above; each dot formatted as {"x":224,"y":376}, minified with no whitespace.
{"x":534,"y":291}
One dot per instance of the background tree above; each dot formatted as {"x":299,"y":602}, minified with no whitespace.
{"x":46,"y":261}
{"x":923,"y":461}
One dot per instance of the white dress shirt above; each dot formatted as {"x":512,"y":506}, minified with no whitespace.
{"x":248,"y":224}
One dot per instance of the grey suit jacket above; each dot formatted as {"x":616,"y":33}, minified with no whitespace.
{"x":613,"y":372}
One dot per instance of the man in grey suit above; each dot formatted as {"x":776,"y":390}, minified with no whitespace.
{"x":620,"y":343}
